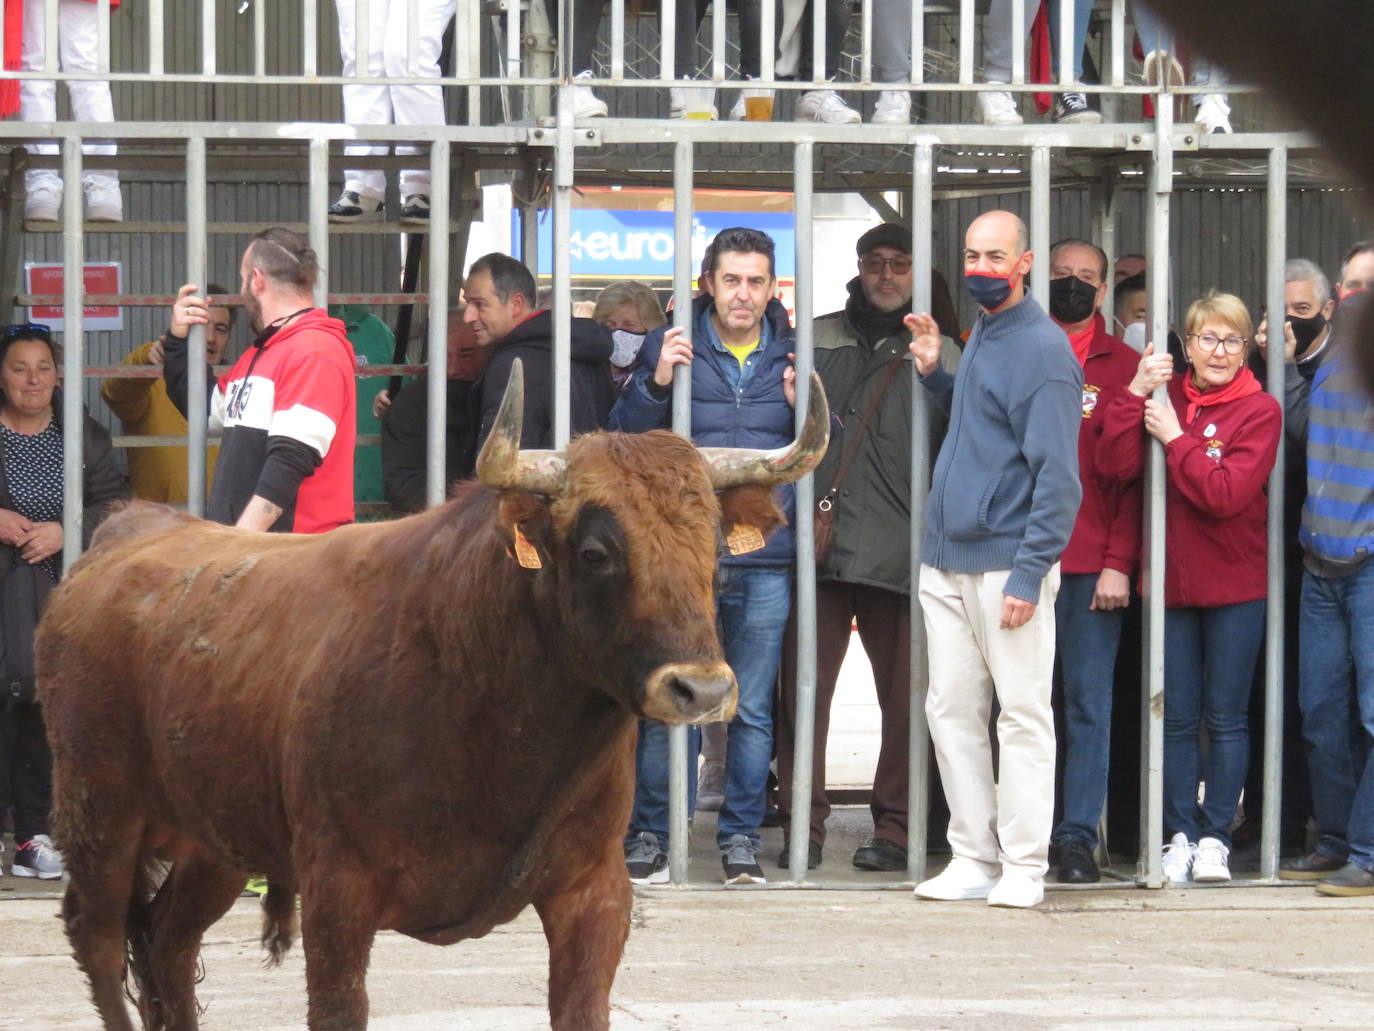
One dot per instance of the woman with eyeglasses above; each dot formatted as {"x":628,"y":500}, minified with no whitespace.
{"x":1220,"y":434}
{"x":31,"y":498}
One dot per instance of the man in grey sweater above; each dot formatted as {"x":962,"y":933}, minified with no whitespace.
{"x":1002,"y":507}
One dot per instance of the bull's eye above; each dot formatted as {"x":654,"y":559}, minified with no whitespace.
{"x":594,"y":555}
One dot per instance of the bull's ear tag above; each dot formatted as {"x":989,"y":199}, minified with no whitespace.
{"x":744,"y":539}
{"x":525,"y":552}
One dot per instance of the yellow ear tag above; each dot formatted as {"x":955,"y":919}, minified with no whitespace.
{"x":744,"y":539}
{"x":525,"y":552}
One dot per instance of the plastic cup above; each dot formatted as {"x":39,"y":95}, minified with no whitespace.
{"x":758,"y":105}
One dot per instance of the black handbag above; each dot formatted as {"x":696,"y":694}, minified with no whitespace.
{"x":24,"y":590}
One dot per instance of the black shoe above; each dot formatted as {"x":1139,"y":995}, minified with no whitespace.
{"x":350,"y":207}
{"x":1073,"y":108}
{"x":1348,"y":880}
{"x":1312,"y":867}
{"x":415,"y":208}
{"x":1076,"y":864}
{"x":813,"y":855}
{"x":880,"y":854}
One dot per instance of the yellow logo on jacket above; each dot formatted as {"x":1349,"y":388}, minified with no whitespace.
{"x":1089,"y":400}
{"x":1214,"y":451}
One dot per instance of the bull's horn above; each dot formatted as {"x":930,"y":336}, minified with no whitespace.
{"x":733,"y":466}
{"x":502,"y":464}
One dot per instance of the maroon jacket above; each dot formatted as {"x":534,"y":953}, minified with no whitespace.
{"x":1216,"y":503}
{"x":1106,"y":534}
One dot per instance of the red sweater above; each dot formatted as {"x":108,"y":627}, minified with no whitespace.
{"x":1216,"y":507}
{"x":1106,"y":534}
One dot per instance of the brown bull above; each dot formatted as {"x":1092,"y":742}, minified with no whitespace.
{"x":396,"y":721}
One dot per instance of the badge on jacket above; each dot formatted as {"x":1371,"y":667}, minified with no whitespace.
{"x":1089,"y":400}
{"x":1214,"y":450}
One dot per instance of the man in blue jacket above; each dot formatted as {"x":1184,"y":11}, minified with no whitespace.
{"x":738,"y":350}
{"x":1002,"y":506}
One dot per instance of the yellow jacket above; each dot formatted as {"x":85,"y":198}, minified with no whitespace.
{"x":143,"y":407}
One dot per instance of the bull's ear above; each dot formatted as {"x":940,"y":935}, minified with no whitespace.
{"x":529,"y":512}
{"x":750,"y":505}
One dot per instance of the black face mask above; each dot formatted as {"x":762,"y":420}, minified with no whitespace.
{"x":1072,"y":300}
{"x":1305,"y":331}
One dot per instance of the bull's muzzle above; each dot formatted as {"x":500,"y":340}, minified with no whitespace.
{"x":695,"y":692}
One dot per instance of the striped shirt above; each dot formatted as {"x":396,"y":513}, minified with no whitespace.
{"x":1337,"y":531}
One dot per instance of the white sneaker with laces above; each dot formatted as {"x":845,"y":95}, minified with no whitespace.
{"x":586,"y":104}
{"x":104,"y":203}
{"x":37,"y":858}
{"x":825,"y":106}
{"x":1213,"y":113}
{"x":1178,"y":859}
{"x":893,"y":108}
{"x":1210,"y":864}
{"x":1017,"y":890}
{"x":997,"y":107}
{"x":43,"y":204}
{"x":961,"y":879}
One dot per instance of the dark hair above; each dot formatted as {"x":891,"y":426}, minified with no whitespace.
{"x":739,"y":240}
{"x":1128,"y":286}
{"x":219,"y":291}
{"x":1363,"y":247}
{"x":284,"y":257}
{"x":508,"y":277}
{"x":31,"y":331}
{"x":1102,"y":261}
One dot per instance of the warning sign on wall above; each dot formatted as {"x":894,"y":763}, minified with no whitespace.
{"x":102,"y":277}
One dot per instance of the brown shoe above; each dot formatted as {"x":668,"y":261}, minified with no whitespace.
{"x":1311,"y":867}
{"x":1348,"y":880}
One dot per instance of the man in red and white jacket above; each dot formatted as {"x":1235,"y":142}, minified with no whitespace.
{"x":1097,"y":564}
{"x":287,"y":409}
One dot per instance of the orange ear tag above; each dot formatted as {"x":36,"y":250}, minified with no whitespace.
{"x":525,"y":552}
{"x":744,"y":539}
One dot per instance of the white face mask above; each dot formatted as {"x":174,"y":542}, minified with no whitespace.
{"x":1135,"y":337}
{"x":626,"y":348}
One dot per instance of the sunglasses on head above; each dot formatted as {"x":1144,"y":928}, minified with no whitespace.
{"x":19,"y":329}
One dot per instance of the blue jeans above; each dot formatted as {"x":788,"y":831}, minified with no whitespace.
{"x":752,"y":603}
{"x":1082,"y":12}
{"x":1209,"y":667}
{"x":1156,"y":36}
{"x":1087,"y":642}
{"x":1336,"y":695}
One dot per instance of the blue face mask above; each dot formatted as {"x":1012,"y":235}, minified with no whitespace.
{"x":989,"y":292}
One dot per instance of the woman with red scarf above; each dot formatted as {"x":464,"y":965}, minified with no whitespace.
{"x":1220,"y":433}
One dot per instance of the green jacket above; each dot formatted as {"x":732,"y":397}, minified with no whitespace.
{"x":872,"y":514}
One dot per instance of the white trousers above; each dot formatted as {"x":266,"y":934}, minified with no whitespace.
{"x":78,"y":50}
{"x":1006,"y":822}
{"x":388,"y":38}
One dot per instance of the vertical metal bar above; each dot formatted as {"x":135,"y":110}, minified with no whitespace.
{"x":1152,"y":652}
{"x":102,"y":34}
{"x":562,"y":267}
{"x":50,"y":37}
{"x":310,"y":38}
{"x":678,"y":758}
{"x":260,"y":38}
{"x":1118,"y":75}
{"x":799,"y":840}
{"x":319,"y":215}
{"x":74,"y":352}
{"x":1018,"y":40}
{"x":436,"y":481}
{"x":767,"y":41}
{"x":529,"y":237}
{"x":922,"y":258}
{"x":1273,"y":638}
{"x":818,"y":69}
{"x":362,"y":38}
{"x":515,"y":35}
{"x":866,"y":42}
{"x":197,"y":272}
{"x":965,"y":41}
{"x":1104,"y":232}
{"x":617,"y":39}
{"x":667,"y":43}
{"x":1040,"y":223}
{"x":918,"y":43}
{"x":718,"y":41}
{"x":471,"y":49}
{"x":207,"y":36}
{"x":1067,"y":58}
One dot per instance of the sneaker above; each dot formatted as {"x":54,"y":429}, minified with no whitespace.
{"x":1017,"y":889}
{"x":1310,"y":867}
{"x":997,"y":107}
{"x":893,"y":108}
{"x":43,"y":204}
{"x":586,"y":104}
{"x":1209,"y":862}
{"x":826,"y":106}
{"x":1347,"y":881}
{"x":711,"y":786}
{"x":37,"y":858}
{"x":1074,"y":109}
{"x":961,"y":879}
{"x":1178,"y":859}
{"x":353,"y":207}
{"x":740,"y":858}
{"x":104,"y":202}
{"x":1212,"y":112}
{"x":1155,"y":69}
{"x":415,"y":208}
{"x":736,"y":113}
{"x":645,"y":860}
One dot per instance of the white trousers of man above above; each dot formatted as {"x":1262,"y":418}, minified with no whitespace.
{"x":1007,"y":822}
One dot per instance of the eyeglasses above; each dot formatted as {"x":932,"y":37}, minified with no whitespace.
{"x":874,"y":265}
{"x":1209,"y":341}
{"x":19,"y":329}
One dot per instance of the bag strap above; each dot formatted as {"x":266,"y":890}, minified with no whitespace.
{"x":852,"y":442}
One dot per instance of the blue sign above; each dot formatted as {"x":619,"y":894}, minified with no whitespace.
{"x":639,"y":244}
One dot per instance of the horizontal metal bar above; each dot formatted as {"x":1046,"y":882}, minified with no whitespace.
{"x":172,"y":440}
{"x":228,"y":300}
{"x":155,"y":371}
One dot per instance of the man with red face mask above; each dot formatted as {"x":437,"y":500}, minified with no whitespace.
{"x":1002,"y":506}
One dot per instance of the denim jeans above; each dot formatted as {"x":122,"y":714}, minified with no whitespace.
{"x":752,"y":603}
{"x":1087,"y":645}
{"x":1209,"y":667}
{"x":1336,"y":694}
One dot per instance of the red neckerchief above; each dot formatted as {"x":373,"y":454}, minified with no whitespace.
{"x":1243,"y":385}
{"x":1082,"y":341}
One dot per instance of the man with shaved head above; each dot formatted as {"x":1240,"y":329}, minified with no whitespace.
{"x":1002,"y":506}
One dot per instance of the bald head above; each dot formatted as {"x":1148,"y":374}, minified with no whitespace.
{"x":1004,"y":226}
{"x":996,"y":244}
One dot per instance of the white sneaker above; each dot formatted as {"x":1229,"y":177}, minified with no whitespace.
{"x":43,"y":204}
{"x":695,"y":102}
{"x":997,"y":107}
{"x":711,"y":786}
{"x":1178,"y":859}
{"x":1210,"y":862}
{"x":104,"y":203}
{"x":1213,"y":113}
{"x":737,"y":112}
{"x":586,"y":104}
{"x":37,"y":858}
{"x":893,"y":108}
{"x":1017,"y":890}
{"x":826,"y":106}
{"x":961,"y":879}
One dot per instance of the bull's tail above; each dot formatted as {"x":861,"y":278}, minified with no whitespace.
{"x":278,"y":920}
{"x":139,"y":986}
